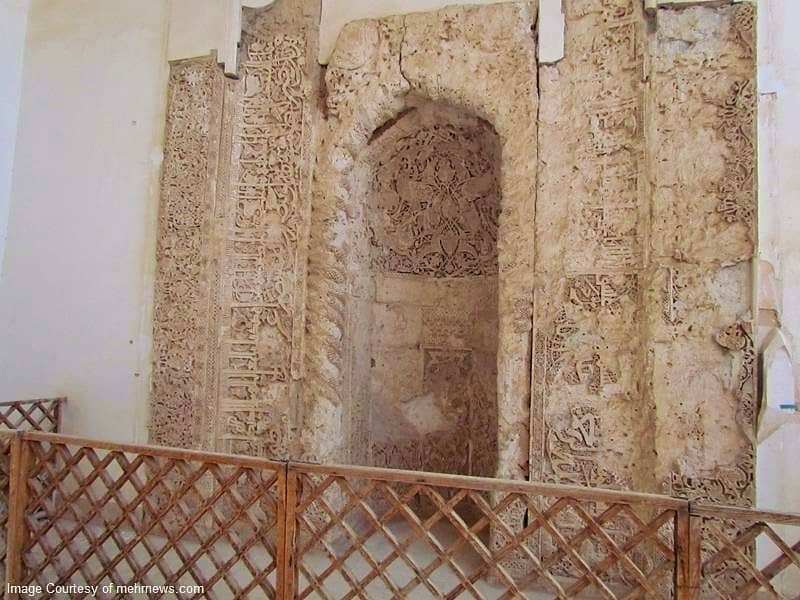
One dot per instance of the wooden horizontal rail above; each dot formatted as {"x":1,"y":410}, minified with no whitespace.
{"x":58,"y":400}
{"x":437,"y":479}
{"x":743,"y":514}
{"x":219,"y":458}
{"x":488,"y":484}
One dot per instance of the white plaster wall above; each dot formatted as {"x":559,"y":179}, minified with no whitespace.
{"x":197,"y":27}
{"x":76,"y":295}
{"x":778,"y":479}
{"x":200,"y":27}
{"x":13,"y":23}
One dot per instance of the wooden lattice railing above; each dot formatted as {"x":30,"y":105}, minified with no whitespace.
{"x":32,"y":415}
{"x":747,"y":553}
{"x":92,"y":513}
{"x":21,"y":415}
{"x":125,"y":515}
{"x":393,"y":534}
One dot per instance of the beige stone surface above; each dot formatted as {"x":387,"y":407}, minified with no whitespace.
{"x":337,"y":14}
{"x":644,"y":362}
{"x":591,"y":424}
{"x":703,"y":211}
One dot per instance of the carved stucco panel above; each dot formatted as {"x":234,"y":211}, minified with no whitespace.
{"x":644,"y":226}
{"x":643,"y":360}
{"x":184,"y":255}
{"x":437,"y":205}
{"x":589,"y":424}
{"x":264,"y":233}
{"x":249,"y":241}
{"x":699,"y":282}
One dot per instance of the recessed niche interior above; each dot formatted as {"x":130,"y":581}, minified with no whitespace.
{"x":424,"y":342}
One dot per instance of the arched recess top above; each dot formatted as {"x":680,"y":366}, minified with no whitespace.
{"x":458,"y":55}
{"x":461,"y":56}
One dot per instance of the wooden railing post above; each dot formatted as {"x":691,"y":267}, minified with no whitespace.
{"x":687,"y":555}
{"x":280,"y":541}
{"x":59,"y":411}
{"x":287,"y":567}
{"x":21,"y":465}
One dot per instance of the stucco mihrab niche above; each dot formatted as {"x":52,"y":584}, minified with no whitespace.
{"x":536,"y":271}
{"x":407,"y":185}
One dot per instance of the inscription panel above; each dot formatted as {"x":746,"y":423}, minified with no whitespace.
{"x":591,"y":228}
{"x":644,"y":223}
{"x":244,"y":161}
{"x":262,"y":229}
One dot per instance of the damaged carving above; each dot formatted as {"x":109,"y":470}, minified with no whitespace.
{"x":439,"y":199}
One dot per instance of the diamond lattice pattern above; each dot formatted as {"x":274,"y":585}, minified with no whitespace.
{"x":31,"y":415}
{"x":368,"y":538}
{"x":750,"y":560}
{"x":99,"y":517}
{"x":28,"y":415}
